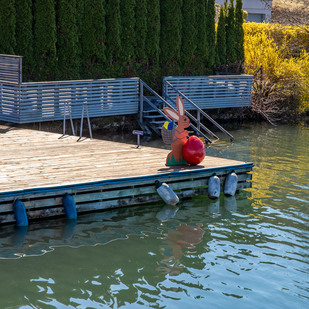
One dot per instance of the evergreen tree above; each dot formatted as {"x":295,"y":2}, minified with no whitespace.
{"x":152,"y":47}
{"x":221,"y":39}
{"x":67,"y":40}
{"x":170,"y":36}
{"x":230,"y":33}
{"x":211,"y":35}
{"x":24,"y":36}
{"x":127,"y":36}
{"x":188,"y":43}
{"x":201,"y":43}
{"x":141,"y":31}
{"x":7,"y":27}
{"x":45,"y":39}
{"x":112,"y":20}
{"x":93,"y":38}
{"x":239,"y":32}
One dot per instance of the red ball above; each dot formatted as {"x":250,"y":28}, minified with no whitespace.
{"x":194,"y":150}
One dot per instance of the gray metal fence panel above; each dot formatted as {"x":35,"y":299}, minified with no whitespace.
{"x":10,"y":68}
{"x":217,"y":91}
{"x":45,"y":101}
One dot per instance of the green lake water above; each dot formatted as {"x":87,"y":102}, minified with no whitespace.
{"x":248,"y":251}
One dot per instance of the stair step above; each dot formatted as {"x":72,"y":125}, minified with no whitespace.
{"x":153,"y":116}
{"x":150,"y":111}
{"x":157,"y":122}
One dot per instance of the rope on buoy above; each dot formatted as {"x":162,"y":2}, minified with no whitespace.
{"x":20,"y":213}
{"x":166,"y":193}
{"x":69,"y":206}
{"x":214,"y":187}
{"x":230,"y":185}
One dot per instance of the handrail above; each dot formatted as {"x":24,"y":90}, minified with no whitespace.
{"x":67,"y":107}
{"x":197,"y":130}
{"x":200,"y":111}
{"x":85,"y":106}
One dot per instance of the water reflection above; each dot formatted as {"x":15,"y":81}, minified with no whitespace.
{"x":241,"y":252}
{"x":104,"y":227}
{"x":182,"y":237}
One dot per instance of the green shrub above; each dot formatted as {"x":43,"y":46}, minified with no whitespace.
{"x":45,"y":40}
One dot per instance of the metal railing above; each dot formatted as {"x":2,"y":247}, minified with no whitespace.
{"x":166,"y":104}
{"x":45,"y":101}
{"x":199,"y":113}
{"x":218,"y":91}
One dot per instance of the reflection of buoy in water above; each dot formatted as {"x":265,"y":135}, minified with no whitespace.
{"x":230,"y":203}
{"x":166,"y":193}
{"x":167,"y":212}
{"x":68,"y":229}
{"x":20,"y":213}
{"x":230,"y":184}
{"x":214,"y":187}
{"x":214,"y":207}
{"x":19,"y":236}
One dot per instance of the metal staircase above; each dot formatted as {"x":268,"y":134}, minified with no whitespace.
{"x":152,"y":115}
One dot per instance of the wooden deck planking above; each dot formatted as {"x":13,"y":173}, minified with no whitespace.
{"x":33,"y":159}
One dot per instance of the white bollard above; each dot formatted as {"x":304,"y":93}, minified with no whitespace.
{"x":166,"y":193}
{"x":214,"y":187}
{"x":230,"y":185}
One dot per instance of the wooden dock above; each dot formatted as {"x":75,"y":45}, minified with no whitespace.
{"x":40,"y":167}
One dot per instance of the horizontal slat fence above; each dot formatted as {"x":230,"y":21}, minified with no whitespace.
{"x":45,"y":101}
{"x":10,"y":68}
{"x":218,"y":91}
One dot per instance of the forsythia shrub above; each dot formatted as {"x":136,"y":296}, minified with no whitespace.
{"x":274,"y":48}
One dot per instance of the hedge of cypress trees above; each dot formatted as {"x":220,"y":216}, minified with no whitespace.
{"x":221,"y":39}
{"x":112,"y":43}
{"x":210,"y":34}
{"x":7,"y":26}
{"x":230,"y":33}
{"x":152,"y":45}
{"x":141,"y":32}
{"x":113,"y":38}
{"x":45,"y":40}
{"x":170,"y":36}
{"x":24,"y":36}
{"x":127,"y":36}
{"x":239,"y":32}
{"x":67,"y":39}
{"x":188,"y":39}
{"x":93,"y":38}
{"x":201,"y":43}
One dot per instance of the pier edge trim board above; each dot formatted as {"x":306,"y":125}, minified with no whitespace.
{"x":126,"y":180}
{"x":46,"y":202}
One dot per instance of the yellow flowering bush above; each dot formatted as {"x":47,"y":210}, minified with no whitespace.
{"x":283,"y":52}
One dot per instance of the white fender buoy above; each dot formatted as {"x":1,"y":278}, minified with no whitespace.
{"x":214,"y":187}
{"x":230,"y":184}
{"x":166,"y":193}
